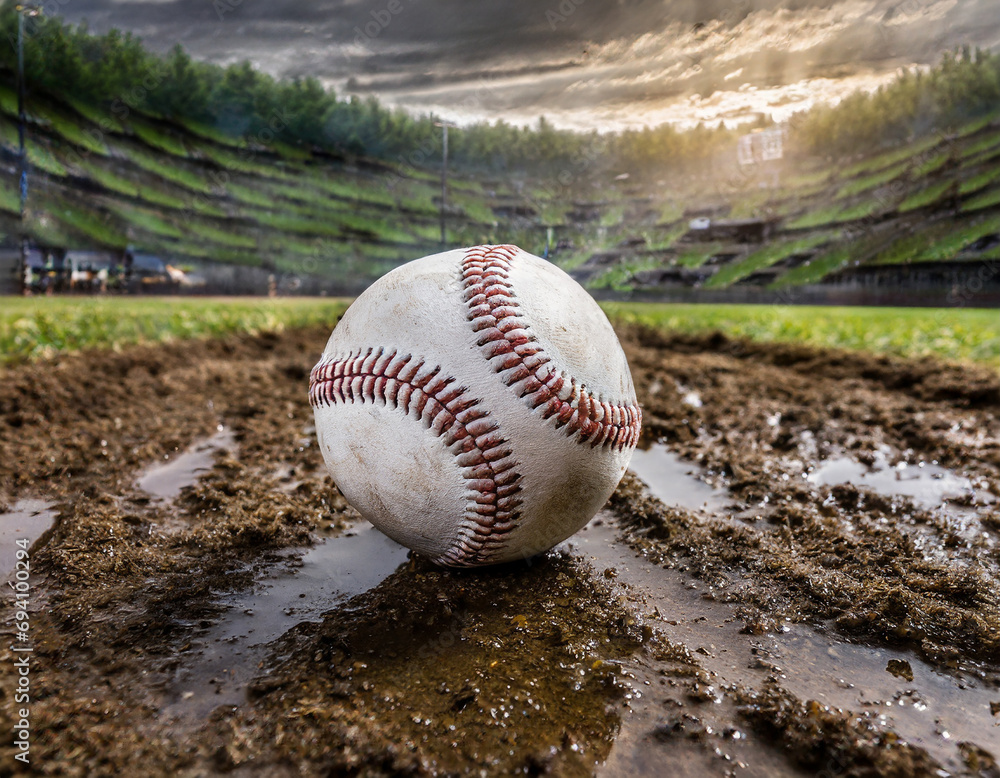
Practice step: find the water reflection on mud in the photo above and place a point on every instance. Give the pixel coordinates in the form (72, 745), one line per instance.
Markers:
(674, 481)
(166, 480)
(224, 658)
(26, 521)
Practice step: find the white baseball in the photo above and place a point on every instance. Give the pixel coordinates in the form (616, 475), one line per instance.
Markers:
(475, 406)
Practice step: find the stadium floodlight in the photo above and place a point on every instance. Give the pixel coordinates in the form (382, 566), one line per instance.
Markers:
(444, 170)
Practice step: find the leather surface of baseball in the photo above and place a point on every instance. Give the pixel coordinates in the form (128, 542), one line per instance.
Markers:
(475, 406)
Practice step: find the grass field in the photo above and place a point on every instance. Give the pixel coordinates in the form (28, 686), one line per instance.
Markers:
(40, 327)
(948, 333)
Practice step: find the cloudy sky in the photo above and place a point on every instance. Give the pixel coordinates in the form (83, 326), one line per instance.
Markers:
(586, 64)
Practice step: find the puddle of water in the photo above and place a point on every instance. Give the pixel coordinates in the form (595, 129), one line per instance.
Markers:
(225, 658)
(695, 741)
(928, 485)
(674, 481)
(809, 665)
(166, 480)
(28, 520)
(934, 711)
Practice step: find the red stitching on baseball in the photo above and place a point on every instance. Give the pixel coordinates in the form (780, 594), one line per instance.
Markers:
(516, 355)
(401, 381)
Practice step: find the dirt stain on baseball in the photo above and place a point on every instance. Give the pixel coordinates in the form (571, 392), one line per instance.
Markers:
(842, 520)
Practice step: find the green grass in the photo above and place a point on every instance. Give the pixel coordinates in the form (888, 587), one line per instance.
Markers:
(474, 208)
(210, 133)
(671, 211)
(158, 197)
(933, 164)
(948, 247)
(347, 188)
(96, 116)
(938, 243)
(241, 161)
(158, 139)
(619, 276)
(251, 195)
(93, 225)
(751, 204)
(289, 150)
(983, 144)
(148, 221)
(572, 258)
(910, 247)
(203, 206)
(90, 139)
(947, 333)
(816, 269)
(382, 227)
(301, 192)
(808, 179)
(295, 224)
(10, 199)
(817, 218)
(975, 125)
(47, 231)
(985, 200)
(980, 181)
(220, 236)
(43, 159)
(38, 155)
(40, 327)
(987, 157)
(906, 152)
(613, 216)
(169, 171)
(765, 257)
(109, 179)
(926, 196)
(696, 257)
(836, 214)
(8, 101)
(661, 238)
(860, 185)
(426, 232)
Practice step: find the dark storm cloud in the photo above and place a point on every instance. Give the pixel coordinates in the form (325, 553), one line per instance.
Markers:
(555, 56)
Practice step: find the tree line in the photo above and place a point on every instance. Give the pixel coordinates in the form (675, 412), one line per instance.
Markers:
(116, 70)
(963, 87)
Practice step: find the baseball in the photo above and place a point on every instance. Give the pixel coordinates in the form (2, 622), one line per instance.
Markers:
(475, 406)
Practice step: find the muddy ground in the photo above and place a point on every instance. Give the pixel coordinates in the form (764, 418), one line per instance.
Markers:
(205, 601)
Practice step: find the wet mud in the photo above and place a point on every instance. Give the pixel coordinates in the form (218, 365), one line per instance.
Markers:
(800, 574)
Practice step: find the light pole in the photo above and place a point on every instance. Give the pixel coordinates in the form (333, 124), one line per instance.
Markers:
(444, 170)
(22, 11)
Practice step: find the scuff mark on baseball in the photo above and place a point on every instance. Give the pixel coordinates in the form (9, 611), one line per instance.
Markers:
(475, 406)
